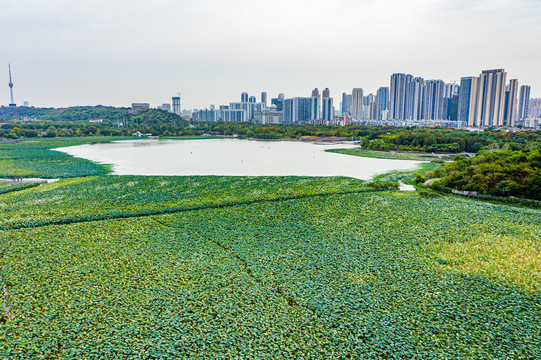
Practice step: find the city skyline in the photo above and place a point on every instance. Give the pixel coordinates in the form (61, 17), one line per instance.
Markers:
(65, 54)
(484, 101)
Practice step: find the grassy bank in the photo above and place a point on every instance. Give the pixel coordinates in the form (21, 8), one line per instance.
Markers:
(35, 158)
(430, 163)
(384, 154)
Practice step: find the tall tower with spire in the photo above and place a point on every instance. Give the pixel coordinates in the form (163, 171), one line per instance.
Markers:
(11, 87)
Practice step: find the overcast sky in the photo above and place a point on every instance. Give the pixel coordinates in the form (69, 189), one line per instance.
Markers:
(115, 52)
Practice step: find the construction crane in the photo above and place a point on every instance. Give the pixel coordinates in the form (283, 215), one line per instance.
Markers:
(176, 106)
(12, 103)
(181, 93)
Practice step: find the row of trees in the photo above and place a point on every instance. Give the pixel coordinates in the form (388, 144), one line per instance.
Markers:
(453, 141)
(15, 132)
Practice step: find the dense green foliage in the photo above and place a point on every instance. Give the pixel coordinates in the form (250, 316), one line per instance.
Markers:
(36, 159)
(92, 198)
(362, 276)
(499, 173)
(452, 141)
(76, 113)
(75, 121)
(277, 131)
(385, 138)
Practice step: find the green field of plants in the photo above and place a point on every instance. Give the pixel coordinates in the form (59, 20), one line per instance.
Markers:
(97, 266)
(379, 275)
(6, 187)
(34, 158)
(103, 197)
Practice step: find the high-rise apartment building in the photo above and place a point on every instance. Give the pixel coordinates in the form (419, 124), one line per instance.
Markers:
(249, 107)
(357, 103)
(369, 104)
(176, 105)
(524, 102)
(315, 112)
(382, 100)
(510, 110)
(467, 99)
(244, 97)
(372, 113)
(374, 109)
(327, 112)
(534, 111)
(279, 103)
(433, 100)
(206, 115)
(252, 99)
(269, 116)
(491, 98)
(328, 108)
(450, 108)
(415, 90)
(346, 104)
(316, 104)
(232, 115)
(300, 110)
(488, 100)
(165, 107)
(450, 90)
(326, 93)
(397, 96)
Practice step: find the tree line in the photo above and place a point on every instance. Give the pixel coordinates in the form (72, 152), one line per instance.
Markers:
(75, 121)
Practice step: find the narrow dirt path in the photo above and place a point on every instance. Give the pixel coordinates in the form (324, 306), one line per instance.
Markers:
(246, 268)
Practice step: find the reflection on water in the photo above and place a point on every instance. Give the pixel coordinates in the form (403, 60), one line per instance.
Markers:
(233, 157)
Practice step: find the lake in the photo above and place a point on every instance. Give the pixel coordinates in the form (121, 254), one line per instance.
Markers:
(233, 157)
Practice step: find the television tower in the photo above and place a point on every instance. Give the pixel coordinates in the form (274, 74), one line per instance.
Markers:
(11, 87)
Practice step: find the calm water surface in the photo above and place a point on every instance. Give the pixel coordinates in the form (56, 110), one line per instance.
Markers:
(233, 157)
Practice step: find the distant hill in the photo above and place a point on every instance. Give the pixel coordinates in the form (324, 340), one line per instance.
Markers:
(76, 113)
(78, 120)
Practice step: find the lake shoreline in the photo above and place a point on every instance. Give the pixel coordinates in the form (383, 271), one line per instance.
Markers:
(233, 157)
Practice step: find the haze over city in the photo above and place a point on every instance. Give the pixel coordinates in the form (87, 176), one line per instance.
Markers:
(115, 53)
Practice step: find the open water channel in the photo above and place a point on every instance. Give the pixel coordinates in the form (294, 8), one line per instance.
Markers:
(233, 157)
